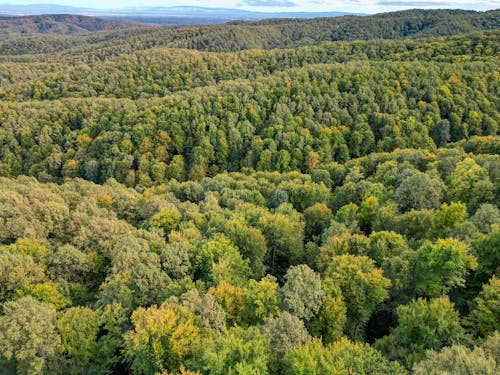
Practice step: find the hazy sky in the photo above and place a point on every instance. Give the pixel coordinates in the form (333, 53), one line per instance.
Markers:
(366, 6)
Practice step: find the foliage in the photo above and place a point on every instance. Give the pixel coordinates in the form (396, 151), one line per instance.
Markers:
(236, 198)
(238, 351)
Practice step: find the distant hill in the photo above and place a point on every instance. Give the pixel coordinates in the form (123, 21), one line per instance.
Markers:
(175, 15)
(63, 24)
(235, 35)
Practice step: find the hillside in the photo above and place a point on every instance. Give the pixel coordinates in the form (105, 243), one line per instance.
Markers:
(283, 197)
(62, 24)
(268, 34)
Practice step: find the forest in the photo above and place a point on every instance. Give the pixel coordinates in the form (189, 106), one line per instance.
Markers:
(276, 197)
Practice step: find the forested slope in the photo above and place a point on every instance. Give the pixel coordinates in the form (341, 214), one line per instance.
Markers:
(308, 206)
(64, 24)
(272, 34)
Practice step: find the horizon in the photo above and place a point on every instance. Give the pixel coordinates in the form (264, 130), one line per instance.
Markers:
(273, 6)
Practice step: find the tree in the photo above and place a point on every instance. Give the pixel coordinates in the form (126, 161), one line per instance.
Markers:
(69, 264)
(419, 191)
(457, 360)
(367, 213)
(361, 358)
(162, 338)
(166, 220)
(464, 179)
(262, 299)
(441, 133)
(218, 259)
(487, 250)
(17, 271)
(345, 243)
(341, 357)
(284, 236)
(233, 300)
(28, 335)
(485, 316)
(302, 294)
(47, 292)
(250, 242)
(442, 266)
(285, 333)
(212, 315)
(363, 288)
(422, 325)
(330, 321)
(317, 218)
(91, 338)
(449, 217)
(239, 351)
(312, 358)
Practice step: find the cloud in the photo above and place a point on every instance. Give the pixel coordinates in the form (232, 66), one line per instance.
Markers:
(435, 3)
(413, 3)
(269, 3)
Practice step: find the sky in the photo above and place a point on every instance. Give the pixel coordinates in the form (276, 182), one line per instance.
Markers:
(360, 6)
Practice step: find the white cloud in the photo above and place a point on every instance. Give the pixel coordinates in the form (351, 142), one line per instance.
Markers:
(364, 6)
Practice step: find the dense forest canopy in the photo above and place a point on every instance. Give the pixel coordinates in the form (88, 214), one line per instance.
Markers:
(281, 197)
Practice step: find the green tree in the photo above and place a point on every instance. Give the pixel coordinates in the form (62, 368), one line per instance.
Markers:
(341, 357)
(90, 339)
(330, 321)
(28, 335)
(239, 351)
(317, 218)
(262, 299)
(284, 236)
(442, 266)
(285, 333)
(485, 315)
(162, 338)
(419, 191)
(457, 360)
(166, 220)
(250, 242)
(363, 288)
(464, 180)
(218, 259)
(422, 325)
(367, 213)
(302, 294)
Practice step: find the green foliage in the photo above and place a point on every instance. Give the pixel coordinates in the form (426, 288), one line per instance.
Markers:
(262, 299)
(28, 335)
(422, 325)
(271, 186)
(250, 242)
(284, 236)
(363, 288)
(341, 357)
(239, 351)
(317, 218)
(285, 333)
(302, 294)
(90, 339)
(442, 266)
(485, 315)
(465, 182)
(218, 259)
(162, 338)
(166, 220)
(330, 321)
(419, 191)
(458, 360)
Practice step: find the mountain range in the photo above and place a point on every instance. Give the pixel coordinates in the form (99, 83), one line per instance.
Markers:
(160, 15)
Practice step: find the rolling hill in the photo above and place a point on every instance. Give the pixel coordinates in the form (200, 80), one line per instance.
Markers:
(64, 24)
